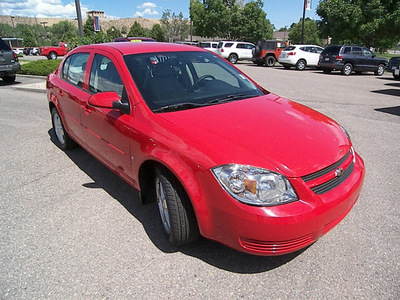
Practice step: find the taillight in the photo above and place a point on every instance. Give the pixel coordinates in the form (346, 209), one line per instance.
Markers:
(222, 49)
(15, 56)
(291, 53)
(338, 57)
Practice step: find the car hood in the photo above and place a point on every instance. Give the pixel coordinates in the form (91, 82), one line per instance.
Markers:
(268, 131)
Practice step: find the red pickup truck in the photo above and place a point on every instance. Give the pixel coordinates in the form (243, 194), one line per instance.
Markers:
(52, 52)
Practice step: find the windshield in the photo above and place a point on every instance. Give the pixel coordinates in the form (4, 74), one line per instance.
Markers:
(182, 80)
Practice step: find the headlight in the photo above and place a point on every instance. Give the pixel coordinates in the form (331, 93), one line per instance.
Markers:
(255, 186)
(345, 132)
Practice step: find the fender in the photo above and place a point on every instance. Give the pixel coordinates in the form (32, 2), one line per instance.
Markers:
(188, 177)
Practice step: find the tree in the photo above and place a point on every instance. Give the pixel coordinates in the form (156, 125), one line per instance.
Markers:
(373, 23)
(176, 27)
(254, 24)
(230, 19)
(311, 32)
(157, 33)
(113, 33)
(60, 29)
(137, 30)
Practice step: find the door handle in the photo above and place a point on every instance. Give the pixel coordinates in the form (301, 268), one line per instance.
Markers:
(60, 93)
(87, 109)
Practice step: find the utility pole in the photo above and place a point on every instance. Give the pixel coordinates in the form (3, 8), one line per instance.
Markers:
(302, 22)
(79, 17)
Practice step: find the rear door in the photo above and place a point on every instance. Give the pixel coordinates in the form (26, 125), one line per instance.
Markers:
(71, 93)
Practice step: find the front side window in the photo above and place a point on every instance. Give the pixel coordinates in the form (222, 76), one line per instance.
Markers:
(367, 53)
(183, 80)
(74, 68)
(104, 77)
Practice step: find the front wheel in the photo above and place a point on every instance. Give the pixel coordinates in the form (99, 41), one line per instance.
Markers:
(380, 70)
(233, 58)
(176, 212)
(63, 139)
(270, 61)
(347, 69)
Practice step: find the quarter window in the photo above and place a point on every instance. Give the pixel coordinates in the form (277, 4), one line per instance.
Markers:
(74, 68)
(104, 77)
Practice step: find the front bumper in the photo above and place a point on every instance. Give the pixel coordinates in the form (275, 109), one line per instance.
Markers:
(280, 229)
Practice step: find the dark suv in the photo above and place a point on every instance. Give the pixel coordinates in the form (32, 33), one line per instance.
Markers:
(351, 58)
(9, 64)
(394, 63)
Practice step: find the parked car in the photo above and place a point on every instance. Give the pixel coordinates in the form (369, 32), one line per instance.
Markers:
(52, 52)
(210, 46)
(393, 64)
(220, 155)
(235, 51)
(9, 64)
(267, 52)
(347, 59)
(300, 56)
(134, 39)
(18, 51)
(396, 72)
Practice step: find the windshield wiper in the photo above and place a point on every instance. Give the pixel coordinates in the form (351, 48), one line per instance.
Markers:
(177, 106)
(228, 98)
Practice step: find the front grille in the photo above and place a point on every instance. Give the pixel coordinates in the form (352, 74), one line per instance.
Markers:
(330, 175)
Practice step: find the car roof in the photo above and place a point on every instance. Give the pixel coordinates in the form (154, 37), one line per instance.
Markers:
(135, 48)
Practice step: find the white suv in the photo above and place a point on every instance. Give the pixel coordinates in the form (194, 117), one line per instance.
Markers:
(234, 51)
(300, 56)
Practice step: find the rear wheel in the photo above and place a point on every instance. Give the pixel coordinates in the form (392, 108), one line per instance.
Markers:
(176, 212)
(9, 79)
(301, 65)
(233, 58)
(270, 61)
(52, 55)
(63, 139)
(380, 70)
(347, 69)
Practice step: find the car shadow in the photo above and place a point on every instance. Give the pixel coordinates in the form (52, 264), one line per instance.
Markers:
(395, 110)
(390, 91)
(3, 83)
(211, 252)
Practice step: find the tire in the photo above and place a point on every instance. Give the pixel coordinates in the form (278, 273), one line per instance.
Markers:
(380, 70)
(63, 139)
(327, 71)
(270, 61)
(9, 79)
(396, 76)
(347, 69)
(175, 209)
(301, 65)
(52, 55)
(233, 58)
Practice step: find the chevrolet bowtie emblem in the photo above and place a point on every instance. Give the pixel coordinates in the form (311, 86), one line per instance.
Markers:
(338, 172)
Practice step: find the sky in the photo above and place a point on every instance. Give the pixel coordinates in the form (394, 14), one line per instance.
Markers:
(280, 12)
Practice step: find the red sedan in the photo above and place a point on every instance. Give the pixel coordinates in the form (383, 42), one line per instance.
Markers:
(222, 157)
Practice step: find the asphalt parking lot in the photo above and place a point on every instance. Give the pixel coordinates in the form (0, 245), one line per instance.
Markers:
(71, 229)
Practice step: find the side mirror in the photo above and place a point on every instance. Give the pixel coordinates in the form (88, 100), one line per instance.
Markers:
(109, 100)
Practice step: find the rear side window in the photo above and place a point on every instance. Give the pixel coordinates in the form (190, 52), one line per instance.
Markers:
(356, 50)
(4, 46)
(289, 48)
(332, 49)
(228, 45)
(241, 46)
(74, 68)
